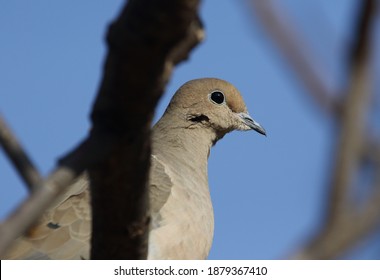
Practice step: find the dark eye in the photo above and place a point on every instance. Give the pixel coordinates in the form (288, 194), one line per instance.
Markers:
(217, 97)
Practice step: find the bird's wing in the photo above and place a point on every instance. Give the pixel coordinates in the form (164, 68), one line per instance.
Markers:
(160, 184)
(63, 232)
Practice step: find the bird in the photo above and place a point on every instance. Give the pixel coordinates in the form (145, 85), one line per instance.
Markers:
(199, 114)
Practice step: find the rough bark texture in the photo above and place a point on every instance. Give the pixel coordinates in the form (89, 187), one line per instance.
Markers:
(137, 68)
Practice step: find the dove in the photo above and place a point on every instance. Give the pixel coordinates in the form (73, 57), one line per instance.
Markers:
(199, 114)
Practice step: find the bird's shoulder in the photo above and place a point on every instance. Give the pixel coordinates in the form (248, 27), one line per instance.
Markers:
(160, 183)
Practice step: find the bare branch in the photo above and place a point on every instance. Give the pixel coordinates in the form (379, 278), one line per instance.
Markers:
(352, 136)
(344, 225)
(344, 233)
(33, 207)
(145, 41)
(289, 44)
(19, 158)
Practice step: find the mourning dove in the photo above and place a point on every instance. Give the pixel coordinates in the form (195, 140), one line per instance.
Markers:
(200, 113)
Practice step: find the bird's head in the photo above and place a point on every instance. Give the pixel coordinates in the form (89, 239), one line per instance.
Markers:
(214, 104)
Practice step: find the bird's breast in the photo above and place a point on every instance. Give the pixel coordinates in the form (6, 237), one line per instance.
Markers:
(184, 226)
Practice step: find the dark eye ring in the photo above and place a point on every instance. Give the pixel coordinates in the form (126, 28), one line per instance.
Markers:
(217, 97)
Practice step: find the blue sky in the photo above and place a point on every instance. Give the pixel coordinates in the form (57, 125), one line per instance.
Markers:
(269, 193)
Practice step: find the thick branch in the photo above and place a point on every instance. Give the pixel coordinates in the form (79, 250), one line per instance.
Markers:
(19, 158)
(146, 40)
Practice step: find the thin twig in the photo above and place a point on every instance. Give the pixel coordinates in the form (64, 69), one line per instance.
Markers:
(58, 181)
(289, 44)
(18, 157)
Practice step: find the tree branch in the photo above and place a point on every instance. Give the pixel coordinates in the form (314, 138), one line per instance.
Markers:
(18, 157)
(288, 43)
(146, 40)
(353, 135)
(344, 224)
(57, 182)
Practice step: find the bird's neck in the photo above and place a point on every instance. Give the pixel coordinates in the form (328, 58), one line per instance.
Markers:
(177, 138)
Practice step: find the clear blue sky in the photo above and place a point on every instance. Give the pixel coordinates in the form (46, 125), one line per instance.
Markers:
(268, 192)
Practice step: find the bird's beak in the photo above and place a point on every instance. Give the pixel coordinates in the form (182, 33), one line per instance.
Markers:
(252, 124)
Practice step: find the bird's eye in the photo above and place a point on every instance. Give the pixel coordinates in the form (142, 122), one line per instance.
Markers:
(217, 97)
